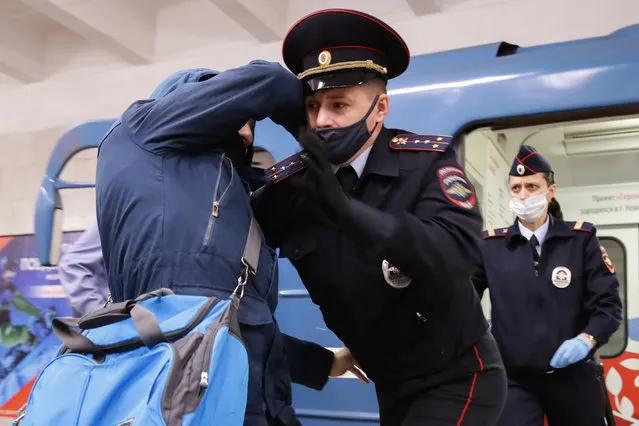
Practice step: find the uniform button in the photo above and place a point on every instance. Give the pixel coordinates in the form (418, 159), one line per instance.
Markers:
(536, 273)
(296, 252)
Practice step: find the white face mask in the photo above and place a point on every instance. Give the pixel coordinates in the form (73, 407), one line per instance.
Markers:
(529, 209)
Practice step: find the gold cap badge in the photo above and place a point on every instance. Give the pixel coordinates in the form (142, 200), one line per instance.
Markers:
(324, 58)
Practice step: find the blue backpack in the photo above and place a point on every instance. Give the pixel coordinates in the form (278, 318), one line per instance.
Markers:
(159, 359)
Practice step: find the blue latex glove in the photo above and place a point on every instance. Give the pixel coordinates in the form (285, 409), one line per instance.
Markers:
(570, 351)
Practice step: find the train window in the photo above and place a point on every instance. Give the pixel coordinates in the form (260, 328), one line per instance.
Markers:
(79, 204)
(617, 254)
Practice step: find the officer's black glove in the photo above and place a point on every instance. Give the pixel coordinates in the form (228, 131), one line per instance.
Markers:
(321, 176)
(349, 214)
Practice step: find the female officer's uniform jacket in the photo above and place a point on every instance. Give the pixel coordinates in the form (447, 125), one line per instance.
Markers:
(573, 289)
(172, 212)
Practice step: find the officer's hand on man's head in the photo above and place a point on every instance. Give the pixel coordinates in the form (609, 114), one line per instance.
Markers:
(320, 173)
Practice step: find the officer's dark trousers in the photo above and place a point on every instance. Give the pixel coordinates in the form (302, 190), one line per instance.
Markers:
(569, 396)
(476, 399)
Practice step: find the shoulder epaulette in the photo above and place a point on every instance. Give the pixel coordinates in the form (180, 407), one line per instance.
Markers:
(494, 233)
(580, 226)
(411, 142)
(285, 168)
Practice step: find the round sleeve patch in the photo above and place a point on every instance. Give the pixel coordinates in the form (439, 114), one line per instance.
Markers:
(606, 259)
(455, 185)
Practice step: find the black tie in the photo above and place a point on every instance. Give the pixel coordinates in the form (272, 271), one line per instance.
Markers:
(347, 177)
(534, 242)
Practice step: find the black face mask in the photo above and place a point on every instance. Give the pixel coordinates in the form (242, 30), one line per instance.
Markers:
(341, 143)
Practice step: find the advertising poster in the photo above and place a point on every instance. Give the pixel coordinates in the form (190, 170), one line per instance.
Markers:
(616, 204)
(30, 297)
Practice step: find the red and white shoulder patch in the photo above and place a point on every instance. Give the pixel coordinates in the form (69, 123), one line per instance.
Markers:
(456, 187)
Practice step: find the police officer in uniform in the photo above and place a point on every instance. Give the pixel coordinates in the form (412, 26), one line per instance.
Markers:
(383, 227)
(555, 300)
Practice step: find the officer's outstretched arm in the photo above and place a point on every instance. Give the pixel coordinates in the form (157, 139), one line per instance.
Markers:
(602, 300)
(212, 111)
(309, 363)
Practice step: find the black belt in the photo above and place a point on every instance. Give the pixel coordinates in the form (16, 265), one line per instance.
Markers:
(523, 371)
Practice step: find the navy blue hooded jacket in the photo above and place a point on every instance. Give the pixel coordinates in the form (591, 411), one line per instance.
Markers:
(173, 212)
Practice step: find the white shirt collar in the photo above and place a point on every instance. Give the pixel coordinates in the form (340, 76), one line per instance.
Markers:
(540, 232)
(359, 162)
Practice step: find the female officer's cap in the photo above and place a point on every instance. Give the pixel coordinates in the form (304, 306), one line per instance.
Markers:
(342, 48)
(529, 162)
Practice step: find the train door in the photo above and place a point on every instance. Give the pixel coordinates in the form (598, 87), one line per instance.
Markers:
(621, 354)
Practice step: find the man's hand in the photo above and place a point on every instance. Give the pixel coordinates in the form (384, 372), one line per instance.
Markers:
(320, 174)
(344, 362)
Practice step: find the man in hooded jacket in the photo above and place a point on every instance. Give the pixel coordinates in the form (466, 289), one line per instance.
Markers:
(169, 207)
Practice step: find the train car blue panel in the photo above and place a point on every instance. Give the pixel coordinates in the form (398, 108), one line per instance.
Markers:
(449, 97)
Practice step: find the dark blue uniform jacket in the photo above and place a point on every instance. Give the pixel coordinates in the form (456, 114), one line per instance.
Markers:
(534, 312)
(415, 209)
(173, 212)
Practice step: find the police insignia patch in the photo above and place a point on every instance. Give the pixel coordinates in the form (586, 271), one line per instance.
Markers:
(561, 277)
(606, 259)
(456, 187)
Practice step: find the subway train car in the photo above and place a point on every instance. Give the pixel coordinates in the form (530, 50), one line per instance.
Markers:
(577, 102)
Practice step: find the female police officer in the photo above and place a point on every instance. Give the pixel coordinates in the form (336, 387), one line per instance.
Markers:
(555, 300)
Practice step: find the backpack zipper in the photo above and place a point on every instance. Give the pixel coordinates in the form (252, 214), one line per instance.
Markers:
(206, 360)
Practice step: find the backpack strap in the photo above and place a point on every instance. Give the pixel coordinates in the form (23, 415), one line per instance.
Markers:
(73, 340)
(250, 257)
(143, 319)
